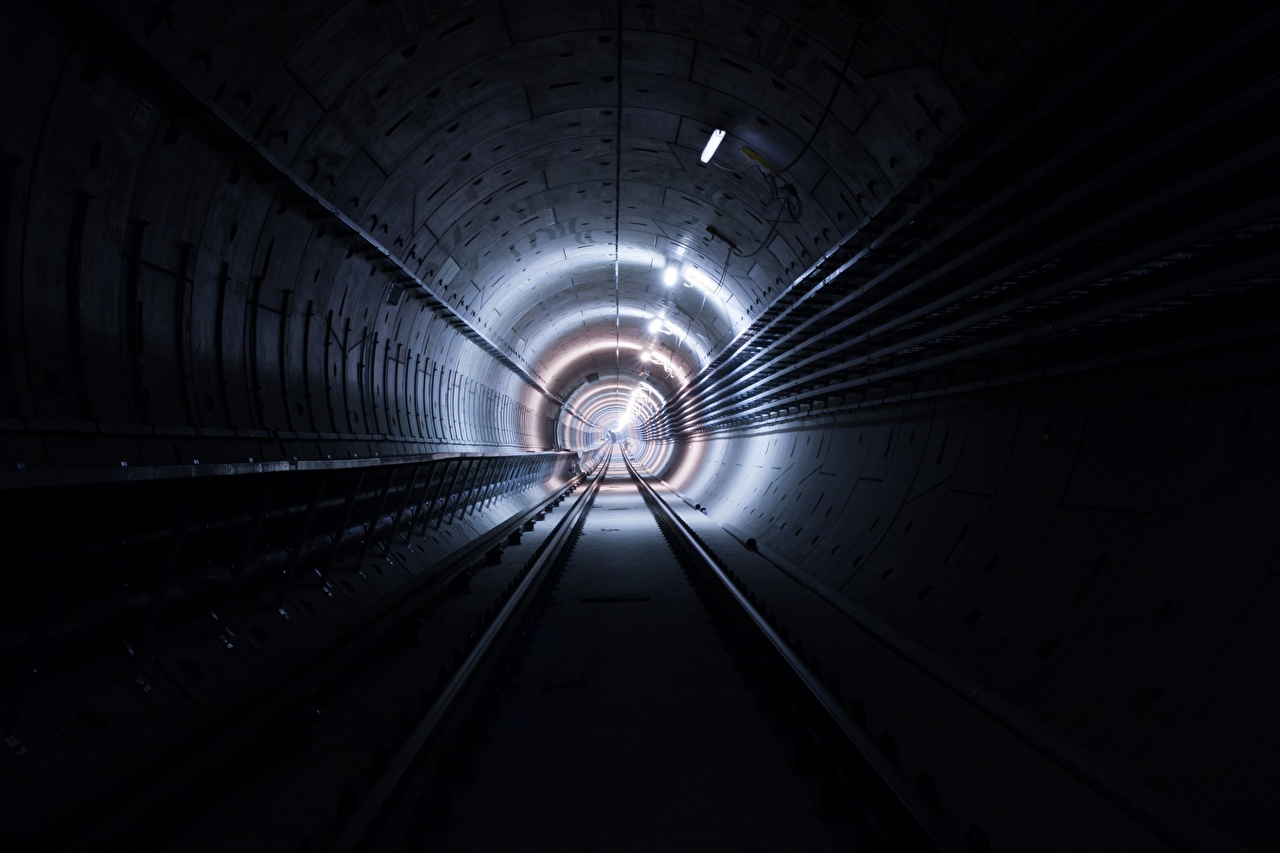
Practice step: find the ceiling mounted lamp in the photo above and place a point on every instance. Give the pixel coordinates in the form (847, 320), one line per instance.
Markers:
(713, 143)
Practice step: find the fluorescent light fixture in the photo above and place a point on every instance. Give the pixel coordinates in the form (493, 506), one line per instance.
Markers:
(669, 276)
(712, 144)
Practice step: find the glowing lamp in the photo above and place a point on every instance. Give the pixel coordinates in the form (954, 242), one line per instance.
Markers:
(713, 143)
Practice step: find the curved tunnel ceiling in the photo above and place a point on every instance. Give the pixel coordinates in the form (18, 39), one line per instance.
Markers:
(971, 320)
(537, 164)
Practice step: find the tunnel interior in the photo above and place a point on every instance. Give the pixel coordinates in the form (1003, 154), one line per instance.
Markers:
(968, 321)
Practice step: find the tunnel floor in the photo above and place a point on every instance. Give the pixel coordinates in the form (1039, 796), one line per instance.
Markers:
(629, 727)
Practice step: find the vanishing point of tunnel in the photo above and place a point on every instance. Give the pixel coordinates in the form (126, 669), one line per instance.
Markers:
(950, 325)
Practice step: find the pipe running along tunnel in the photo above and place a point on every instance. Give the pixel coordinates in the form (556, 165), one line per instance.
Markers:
(968, 326)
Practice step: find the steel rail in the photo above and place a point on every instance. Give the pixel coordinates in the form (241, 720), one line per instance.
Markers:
(160, 783)
(1167, 821)
(927, 829)
(357, 831)
(1178, 828)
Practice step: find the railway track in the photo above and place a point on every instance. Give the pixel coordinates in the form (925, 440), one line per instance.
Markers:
(621, 689)
(610, 684)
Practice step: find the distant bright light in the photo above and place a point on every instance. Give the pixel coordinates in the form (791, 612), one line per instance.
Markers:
(712, 144)
(655, 326)
(646, 356)
(669, 276)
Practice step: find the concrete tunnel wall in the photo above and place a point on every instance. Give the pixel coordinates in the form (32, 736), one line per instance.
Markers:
(1099, 549)
(156, 286)
(159, 276)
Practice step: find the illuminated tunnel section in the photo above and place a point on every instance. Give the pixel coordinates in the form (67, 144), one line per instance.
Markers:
(607, 412)
(967, 318)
